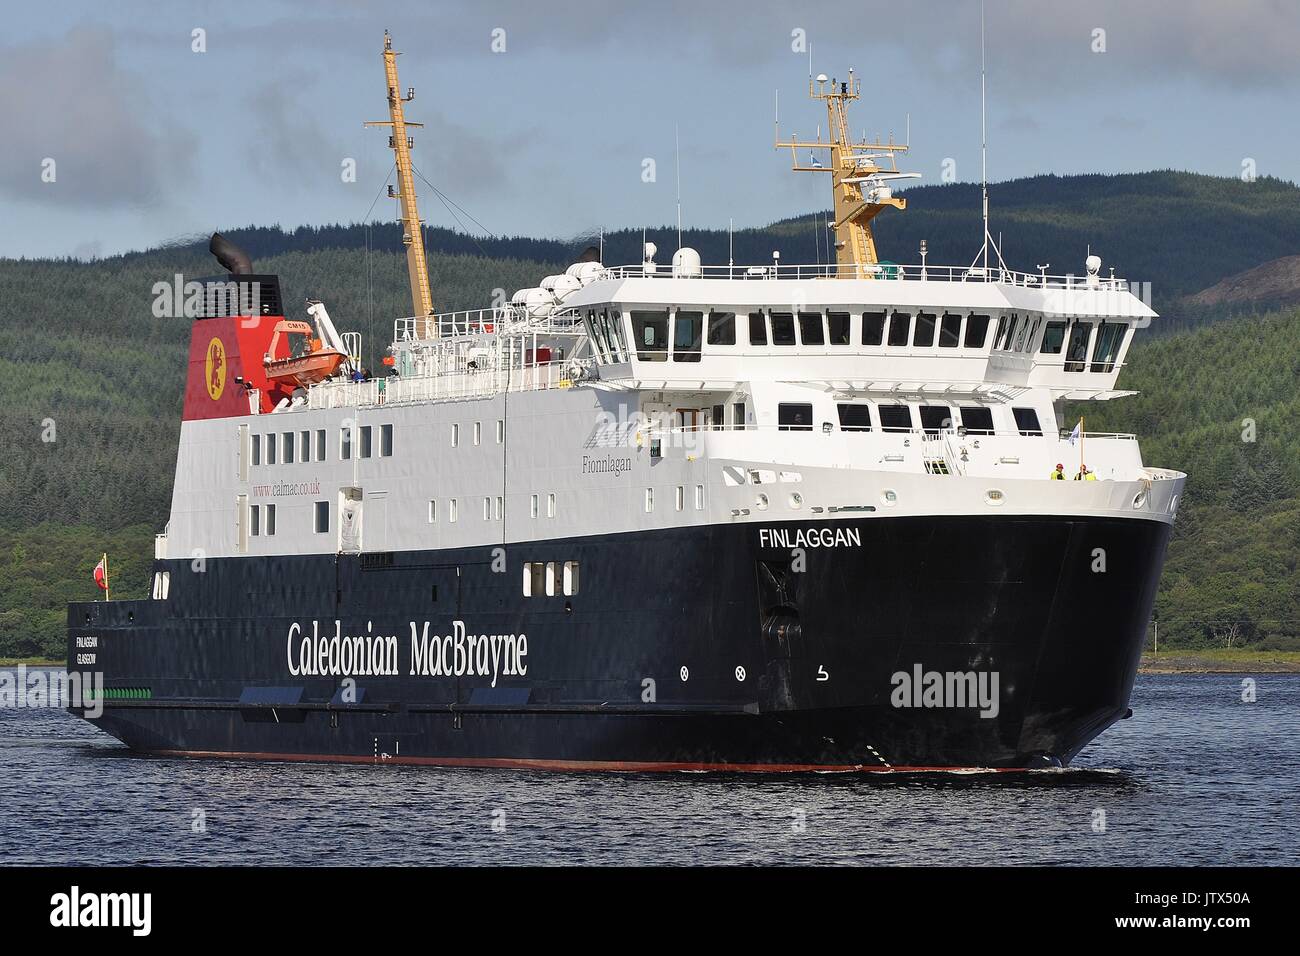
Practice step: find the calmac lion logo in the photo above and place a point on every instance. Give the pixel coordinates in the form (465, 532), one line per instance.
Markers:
(216, 368)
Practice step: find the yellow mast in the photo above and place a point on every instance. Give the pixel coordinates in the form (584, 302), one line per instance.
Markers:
(851, 165)
(416, 265)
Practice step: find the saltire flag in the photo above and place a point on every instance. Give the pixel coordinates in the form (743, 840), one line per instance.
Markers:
(101, 573)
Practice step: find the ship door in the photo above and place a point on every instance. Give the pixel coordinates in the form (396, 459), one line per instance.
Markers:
(688, 418)
(350, 520)
(377, 521)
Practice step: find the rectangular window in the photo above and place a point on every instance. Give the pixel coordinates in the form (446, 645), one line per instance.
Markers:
(257, 449)
(270, 519)
(533, 506)
(1077, 351)
(570, 577)
(757, 328)
(716, 414)
(550, 505)
(487, 509)
(794, 417)
(999, 340)
(650, 332)
(270, 449)
(385, 441)
(501, 431)
(699, 497)
(649, 500)
(895, 418)
(1104, 352)
(1032, 334)
(534, 578)
(320, 444)
(433, 510)
(288, 447)
(900, 324)
(977, 420)
(855, 418)
(255, 526)
(345, 443)
(838, 324)
(550, 579)
(977, 330)
(949, 331)
(364, 449)
(738, 415)
(811, 331)
(455, 436)
(873, 328)
(1027, 421)
(322, 517)
(722, 328)
(935, 418)
(924, 335)
(681, 497)
(453, 510)
(687, 327)
(1018, 340)
(1053, 338)
(498, 508)
(478, 433)
(783, 328)
(304, 445)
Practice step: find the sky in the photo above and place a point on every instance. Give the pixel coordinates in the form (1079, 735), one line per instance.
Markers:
(125, 128)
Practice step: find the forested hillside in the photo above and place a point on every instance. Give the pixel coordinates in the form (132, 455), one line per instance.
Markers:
(90, 382)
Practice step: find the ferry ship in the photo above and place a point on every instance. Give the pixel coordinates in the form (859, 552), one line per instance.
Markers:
(663, 516)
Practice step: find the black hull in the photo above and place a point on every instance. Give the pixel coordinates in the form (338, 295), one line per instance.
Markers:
(209, 671)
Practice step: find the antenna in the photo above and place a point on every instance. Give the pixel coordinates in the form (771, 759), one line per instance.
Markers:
(984, 168)
(677, 140)
(731, 250)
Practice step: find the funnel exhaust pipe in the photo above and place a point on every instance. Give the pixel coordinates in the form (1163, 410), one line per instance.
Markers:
(234, 259)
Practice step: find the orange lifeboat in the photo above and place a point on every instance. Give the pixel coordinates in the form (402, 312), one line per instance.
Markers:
(307, 361)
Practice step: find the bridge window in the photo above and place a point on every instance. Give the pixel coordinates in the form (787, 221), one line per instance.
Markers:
(686, 336)
(977, 330)
(1109, 336)
(794, 417)
(873, 328)
(596, 332)
(895, 418)
(977, 420)
(811, 331)
(924, 336)
(783, 328)
(838, 323)
(855, 418)
(936, 417)
(757, 328)
(722, 328)
(650, 330)
(1019, 338)
(900, 324)
(949, 331)
(1027, 421)
(614, 332)
(1033, 333)
(1053, 338)
(999, 340)
(1076, 354)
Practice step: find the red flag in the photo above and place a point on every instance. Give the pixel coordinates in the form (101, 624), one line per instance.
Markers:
(101, 573)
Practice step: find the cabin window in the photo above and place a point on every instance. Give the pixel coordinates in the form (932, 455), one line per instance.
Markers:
(501, 431)
(838, 325)
(900, 325)
(977, 330)
(895, 418)
(722, 328)
(304, 445)
(455, 436)
(650, 330)
(687, 327)
(255, 525)
(487, 509)
(385, 441)
(433, 510)
(977, 420)
(757, 328)
(699, 497)
(649, 500)
(1077, 351)
(1104, 352)
(1027, 421)
(320, 444)
(783, 328)
(534, 578)
(810, 328)
(794, 417)
(532, 506)
(257, 449)
(718, 413)
(570, 578)
(322, 517)
(924, 335)
(936, 417)
(855, 418)
(270, 449)
(345, 443)
(550, 579)
(288, 447)
(950, 331)
(1053, 338)
(478, 433)
(453, 510)
(550, 505)
(680, 498)
(999, 341)
(498, 508)
(738, 415)
(270, 519)
(873, 328)
(365, 448)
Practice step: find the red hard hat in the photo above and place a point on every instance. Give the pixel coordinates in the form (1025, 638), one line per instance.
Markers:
(1059, 466)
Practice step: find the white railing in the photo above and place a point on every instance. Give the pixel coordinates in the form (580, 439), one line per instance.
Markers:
(437, 388)
(506, 319)
(886, 271)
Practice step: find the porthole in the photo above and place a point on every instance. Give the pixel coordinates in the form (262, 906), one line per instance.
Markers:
(796, 500)
(1140, 498)
(889, 496)
(994, 497)
(1173, 505)
(761, 502)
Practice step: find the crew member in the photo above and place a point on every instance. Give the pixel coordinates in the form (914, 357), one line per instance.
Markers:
(1084, 474)
(1059, 474)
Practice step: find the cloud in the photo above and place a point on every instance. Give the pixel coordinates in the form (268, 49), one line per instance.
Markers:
(69, 100)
